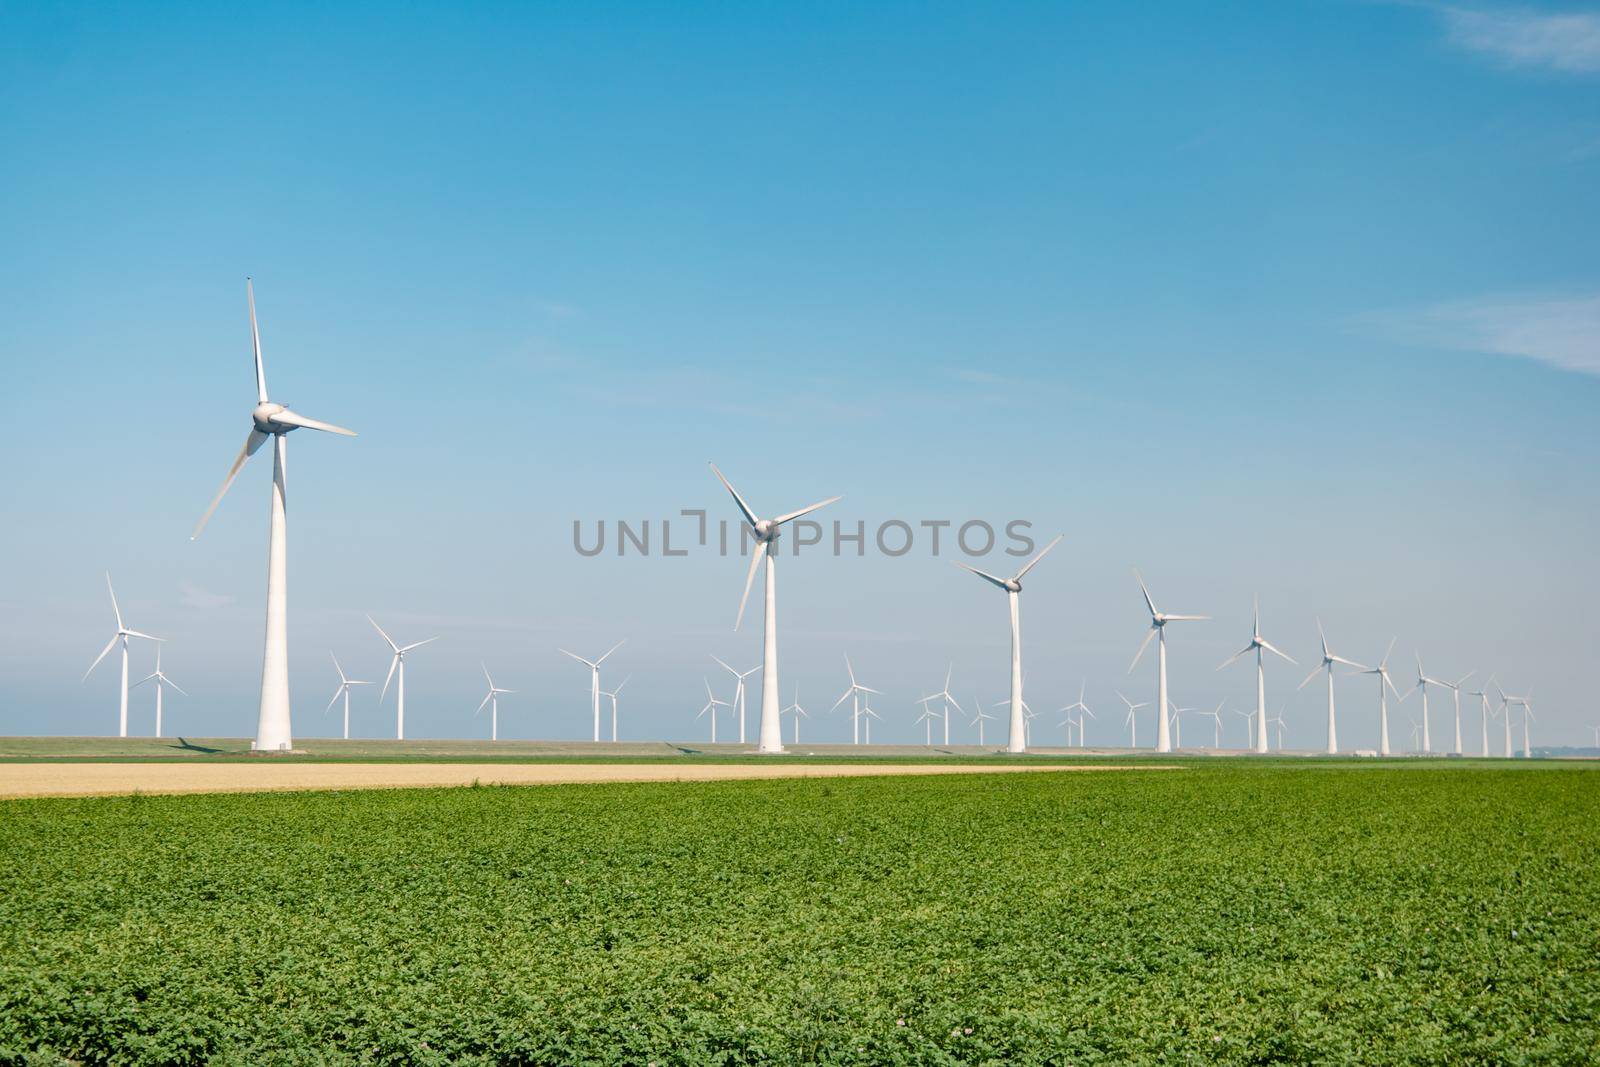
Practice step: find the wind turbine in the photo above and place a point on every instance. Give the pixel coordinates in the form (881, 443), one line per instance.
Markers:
(594, 680)
(1249, 726)
(868, 715)
(613, 696)
(1018, 741)
(1081, 707)
(1132, 721)
(1158, 630)
(122, 635)
(1423, 681)
(711, 706)
(1505, 712)
(949, 702)
(926, 719)
(1455, 689)
(1258, 644)
(343, 691)
(796, 712)
(853, 694)
(1525, 703)
(268, 419)
(1483, 709)
(1416, 730)
(160, 680)
(492, 699)
(738, 691)
(1277, 720)
(766, 533)
(1327, 664)
(398, 662)
(980, 718)
(1382, 671)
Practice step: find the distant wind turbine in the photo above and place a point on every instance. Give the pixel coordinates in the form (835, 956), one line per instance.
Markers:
(1018, 741)
(122, 635)
(1483, 710)
(947, 700)
(926, 721)
(268, 419)
(979, 719)
(1258, 644)
(1132, 720)
(1249, 718)
(1328, 662)
(1158, 630)
(853, 694)
(738, 691)
(397, 662)
(343, 691)
(766, 533)
(710, 708)
(1216, 717)
(594, 680)
(612, 696)
(1382, 671)
(796, 712)
(492, 699)
(1455, 689)
(1082, 708)
(867, 715)
(161, 680)
(1423, 681)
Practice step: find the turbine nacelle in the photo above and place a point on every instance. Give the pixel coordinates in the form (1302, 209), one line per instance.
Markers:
(263, 414)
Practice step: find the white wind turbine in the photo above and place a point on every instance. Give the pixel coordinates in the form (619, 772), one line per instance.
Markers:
(122, 635)
(738, 691)
(980, 718)
(343, 691)
(1508, 702)
(926, 720)
(1132, 720)
(594, 680)
(1017, 741)
(492, 699)
(397, 662)
(1423, 681)
(161, 680)
(853, 694)
(1216, 717)
(710, 708)
(1483, 709)
(1384, 687)
(1505, 714)
(867, 715)
(613, 697)
(1258, 644)
(1249, 725)
(948, 702)
(1455, 689)
(1277, 720)
(796, 712)
(1080, 707)
(1327, 664)
(766, 533)
(268, 419)
(1158, 630)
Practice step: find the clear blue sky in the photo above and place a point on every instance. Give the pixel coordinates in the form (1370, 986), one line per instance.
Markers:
(1300, 299)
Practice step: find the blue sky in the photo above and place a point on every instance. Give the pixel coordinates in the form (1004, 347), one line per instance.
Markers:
(1299, 300)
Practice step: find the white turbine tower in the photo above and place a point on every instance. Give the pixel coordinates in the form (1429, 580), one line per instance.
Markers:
(853, 694)
(594, 680)
(613, 697)
(1017, 741)
(766, 533)
(273, 731)
(343, 691)
(1505, 714)
(710, 708)
(122, 635)
(1483, 710)
(738, 691)
(492, 699)
(867, 715)
(1455, 689)
(1327, 664)
(1423, 681)
(161, 680)
(1082, 709)
(1132, 720)
(796, 712)
(1249, 718)
(1216, 717)
(1382, 671)
(397, 662)
(926, 720)
(980, 718)
(948, 702)
(1158, 630)
(1258, 644)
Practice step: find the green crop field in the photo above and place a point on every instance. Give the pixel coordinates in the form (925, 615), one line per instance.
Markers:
(1228, 912)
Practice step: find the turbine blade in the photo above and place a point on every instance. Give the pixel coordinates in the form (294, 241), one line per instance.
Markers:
(174, 685)
(337, 693)
(289, 418)
(103, 653)
(985, 575)
(781, 519)
(577, 657)
(1137, 656)
(750, 579)
(255, 342)
(115, 610)
(393, 663)
(749, 516)
(147, 637)
(141, 681)
(487, 697)
(342, 678)
(385, 636)
(251, 444)
(419, 644)
(610, 650)
(1184, 618)
(1314, 672)
(1030, 564)
(1236, 657)
(1279, 652)
(1151, 604)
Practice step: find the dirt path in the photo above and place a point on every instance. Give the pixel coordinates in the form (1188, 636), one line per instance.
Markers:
(100, 779)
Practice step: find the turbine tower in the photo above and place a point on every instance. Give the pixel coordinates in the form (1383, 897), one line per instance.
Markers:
(1158, 630)
(1423, 681)
(398, 662)
(1455, 689)
(738, 691)
(1131, 721)
(1017, 741)
(122, 635)
(160, 680)
(1382, 671)
(613, 696)
(766, 533)
(343, 691)
(492, 698)
(273, 732)
(1483, 710)
(1258, 644)
(1328, 662)
(594, 680)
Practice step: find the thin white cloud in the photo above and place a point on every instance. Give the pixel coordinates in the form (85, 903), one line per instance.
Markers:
(1560, 331)
(1519, 37)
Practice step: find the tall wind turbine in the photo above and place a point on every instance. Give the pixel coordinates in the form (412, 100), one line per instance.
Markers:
(594, 680)
(1327, 664)
(1258, 644)
(1483, 710)
(796, 712)
(853, 694)
(1423, 681)
(980, 718)
(1249, 718)
(1080, 707)
(343, 691)
(398, 662)
(1158, 630)
(1018, 741)
(1132, 722)
(1507, 702)
(1382, 671)
(766, 533)
(948, 702)
(122, 635)
(273, 732)
(738, 691)
(926, 720)
(492, 698)
(1455, 689)
(613, 697)
(161, 680)
(1216, 717)
(1505, 714)
(710, 708)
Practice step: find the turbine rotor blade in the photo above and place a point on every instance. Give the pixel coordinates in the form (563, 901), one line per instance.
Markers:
(1236, 656)
(419, 644)
(1137, 656)
(103, 653)
(781, 519)
(393, 663)
(385, 636)
(756, 557)
(985, 575)
(1030, 564)
(289, 418)
(1278, 652)
(1314, 672)
(749, 516)
(255, 342)
(252, 444)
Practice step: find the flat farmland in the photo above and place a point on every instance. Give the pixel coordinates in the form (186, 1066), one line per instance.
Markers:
(1236, 912)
